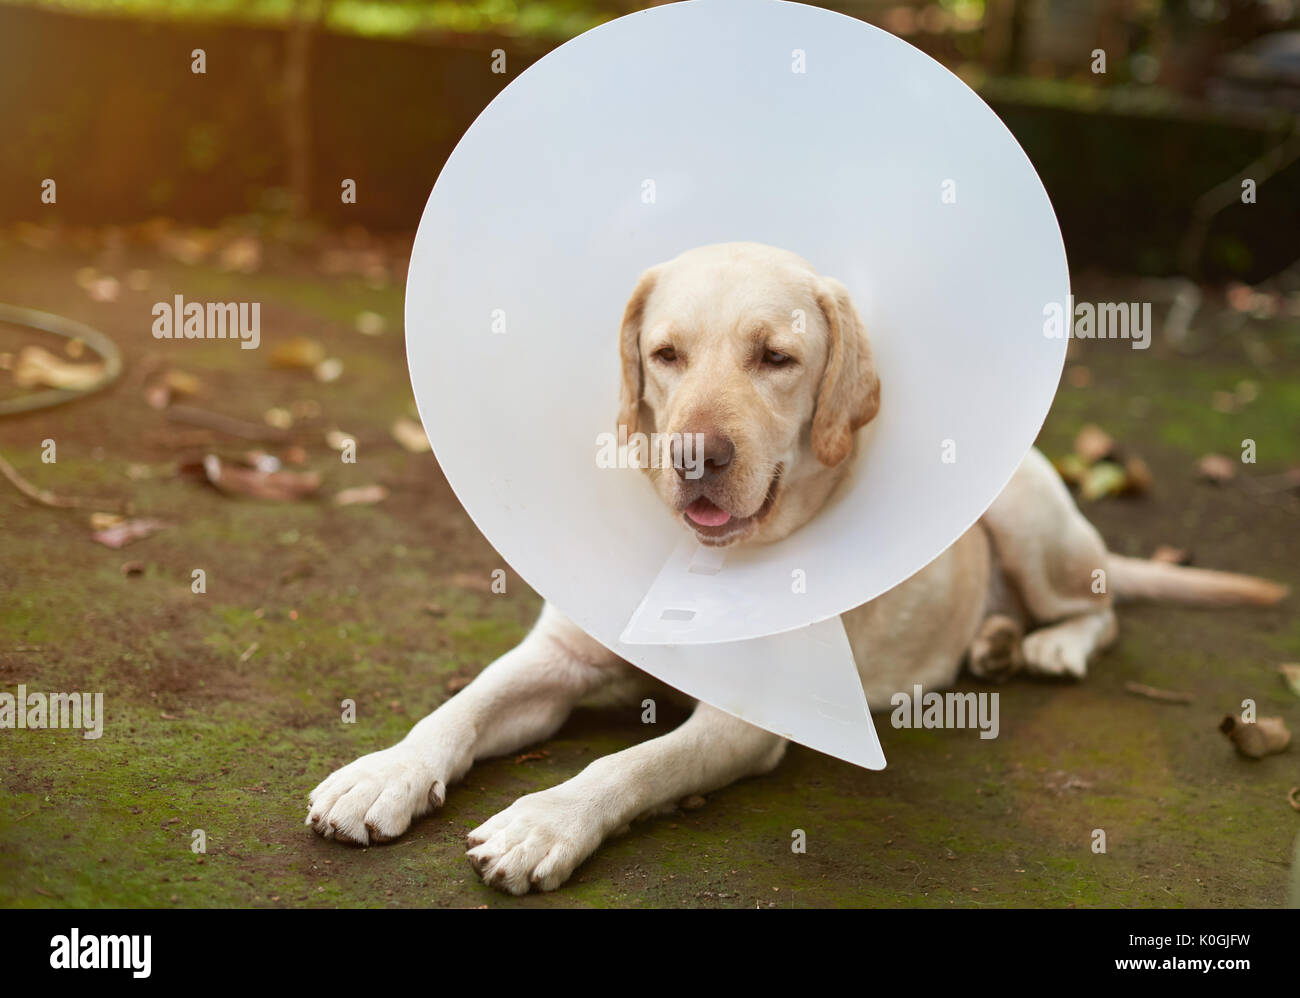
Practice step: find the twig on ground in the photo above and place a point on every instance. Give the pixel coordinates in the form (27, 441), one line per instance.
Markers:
(193, 416)
(1151, 693)
(48, 498)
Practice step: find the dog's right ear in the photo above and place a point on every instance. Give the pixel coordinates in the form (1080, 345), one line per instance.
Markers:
(629, 350)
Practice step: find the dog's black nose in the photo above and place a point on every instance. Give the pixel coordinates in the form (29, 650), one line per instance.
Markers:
(701, 455)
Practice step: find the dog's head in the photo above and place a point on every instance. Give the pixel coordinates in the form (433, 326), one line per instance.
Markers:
(758, 372)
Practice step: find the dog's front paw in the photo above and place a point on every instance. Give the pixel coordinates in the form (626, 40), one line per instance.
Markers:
(538, 841)
(375, 798)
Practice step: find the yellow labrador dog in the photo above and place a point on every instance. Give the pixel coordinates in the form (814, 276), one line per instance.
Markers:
(706, 348)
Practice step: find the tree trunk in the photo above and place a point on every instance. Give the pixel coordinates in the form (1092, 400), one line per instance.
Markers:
(307, 15)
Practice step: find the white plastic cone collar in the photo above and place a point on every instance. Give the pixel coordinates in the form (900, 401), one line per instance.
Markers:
(720, 121)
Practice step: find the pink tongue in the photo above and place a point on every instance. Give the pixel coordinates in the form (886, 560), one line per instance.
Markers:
(706, 514)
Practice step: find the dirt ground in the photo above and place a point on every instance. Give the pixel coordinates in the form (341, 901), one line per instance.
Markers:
(223, 708)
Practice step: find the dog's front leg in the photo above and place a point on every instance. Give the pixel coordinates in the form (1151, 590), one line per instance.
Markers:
(521, 698)
(542, 838)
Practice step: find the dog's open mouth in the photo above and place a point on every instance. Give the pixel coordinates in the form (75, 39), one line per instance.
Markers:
(714, 526)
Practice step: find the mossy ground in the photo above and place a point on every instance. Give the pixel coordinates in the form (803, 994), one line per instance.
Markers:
(223, 709)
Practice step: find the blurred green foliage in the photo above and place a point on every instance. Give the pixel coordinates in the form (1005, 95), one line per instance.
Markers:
(373, 18)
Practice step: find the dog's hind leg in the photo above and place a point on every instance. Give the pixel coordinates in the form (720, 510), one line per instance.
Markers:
(521, 698)
(1055, 562)
(1064, 649)
(1050, 554)
(541, 839)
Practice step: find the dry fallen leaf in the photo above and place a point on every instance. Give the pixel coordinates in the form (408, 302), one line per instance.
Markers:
(1137, 476)
(1071, 468)
(103, 521)
(36, 367)
(260, 460)
(330, 369)
(104, 289)
(279, 418)
(410, 435)
(274, 485)
(469, 580)
(362, 495)
(1171, 555)
(189, 247)
(1103, 479)
(370, 324)
(182, 382)
(339, 439)
(243, 253)
(1290, 672)
(299, 352)
(124, 533)
(156, 395)
(169, 385)
(1240, 296)
(1266, 736)
(1093, 443)
(1216, 468)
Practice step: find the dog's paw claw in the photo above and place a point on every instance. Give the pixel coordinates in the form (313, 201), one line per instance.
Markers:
(375, 798)
(536, 843)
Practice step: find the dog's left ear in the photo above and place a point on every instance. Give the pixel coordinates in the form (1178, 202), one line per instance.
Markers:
(629, 350)
(850, 390)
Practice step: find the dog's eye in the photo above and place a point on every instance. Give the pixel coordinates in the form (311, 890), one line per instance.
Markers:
(666, 354)
(775, 358)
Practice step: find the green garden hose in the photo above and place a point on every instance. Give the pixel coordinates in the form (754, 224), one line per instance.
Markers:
(72, 330)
